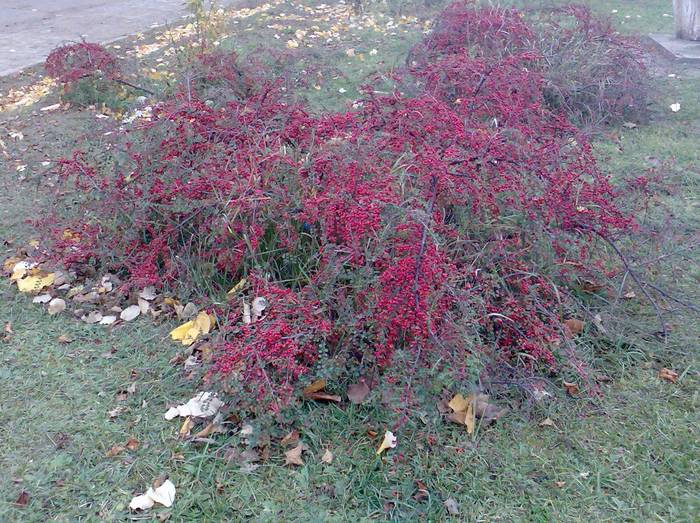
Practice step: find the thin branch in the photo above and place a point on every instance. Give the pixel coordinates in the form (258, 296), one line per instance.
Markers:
(637, 280)
(133, 86)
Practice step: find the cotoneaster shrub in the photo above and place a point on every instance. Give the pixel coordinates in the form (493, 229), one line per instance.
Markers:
(88, 73)
(72, 62)
(590, 72)
(445, 224)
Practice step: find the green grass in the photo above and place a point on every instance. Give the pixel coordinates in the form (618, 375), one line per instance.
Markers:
(631, 455)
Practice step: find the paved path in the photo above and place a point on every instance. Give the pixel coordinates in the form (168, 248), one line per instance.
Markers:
(29, 29)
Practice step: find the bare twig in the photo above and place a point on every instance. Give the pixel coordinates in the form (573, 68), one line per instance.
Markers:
(637, 280)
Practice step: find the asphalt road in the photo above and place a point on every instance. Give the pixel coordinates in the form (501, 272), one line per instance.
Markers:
(30, 29)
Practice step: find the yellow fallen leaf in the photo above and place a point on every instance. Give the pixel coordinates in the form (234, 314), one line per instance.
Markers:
(389, 442)
(189, 331)
(458, 403)
(469, 418)
(237, 287)
(203, 322)
(36, 282)
(314, 387)
(191, 335)
(463, 411)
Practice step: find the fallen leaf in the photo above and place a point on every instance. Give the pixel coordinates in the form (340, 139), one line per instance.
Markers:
(186, 427)
(42, 298)
(547, 422)
(668, 375)
(293, 456)
(559, 484)
(189, 331)
(8, 328)
(56, 306)
(92, 317)
(357, 392)
(573, 326)
(114, 451)
(290, 439)
(422, 491)
(64, 339)
(327, 456)
(132, 444)
(130, 313)
(452, 506)
(142, 502)
(203, 405)
(323, 396)
(571, 388)
(459, 403)
(389, 442)
(315, 387)
(237, 287)
(463, 411)
(189, 311)
(246, 313)
(148, 293)
(23, 499)
(209, 429)
(36, 282)
(258, 307)
(143, 305)
(163, 494)
(116, 412)
(107, 320)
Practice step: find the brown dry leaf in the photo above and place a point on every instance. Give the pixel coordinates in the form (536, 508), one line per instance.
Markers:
(547, 422)
(357, 392)
(591, 286)
(571, 388)
(116, 412)
(487, 412)
(132, 444)
(115, 451)
(327, 456)
(208, 430)
(130, 313)
(559, 484)
(573, 326)
(452, 506)
(323, 396)
(668, 375)
(290, 439)
(23, 499)
(8, 328)
(421, 491)
(56, 306)
(293, 456)
(64, 339)
(315, 387)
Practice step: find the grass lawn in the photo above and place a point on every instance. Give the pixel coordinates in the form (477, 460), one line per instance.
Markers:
(631, 455)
